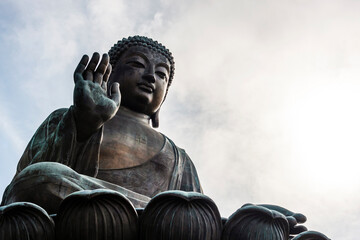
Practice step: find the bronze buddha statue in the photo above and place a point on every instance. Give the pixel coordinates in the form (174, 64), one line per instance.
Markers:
(105, 139)
(104, 143)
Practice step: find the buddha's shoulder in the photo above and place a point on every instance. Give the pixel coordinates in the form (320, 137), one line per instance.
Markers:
(176, 147)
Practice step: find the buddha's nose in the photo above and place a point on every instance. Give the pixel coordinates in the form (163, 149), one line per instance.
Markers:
(150, 74)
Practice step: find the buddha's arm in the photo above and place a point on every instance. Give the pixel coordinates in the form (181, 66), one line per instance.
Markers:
(72, 137)
(56, 141)
(190, 179)
(184, 175)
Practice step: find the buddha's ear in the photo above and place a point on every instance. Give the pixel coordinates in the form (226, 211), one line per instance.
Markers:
(155, 119)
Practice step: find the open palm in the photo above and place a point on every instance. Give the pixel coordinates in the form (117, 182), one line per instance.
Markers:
(93, 107)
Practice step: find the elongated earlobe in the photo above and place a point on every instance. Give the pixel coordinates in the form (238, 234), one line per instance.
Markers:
(155, 119)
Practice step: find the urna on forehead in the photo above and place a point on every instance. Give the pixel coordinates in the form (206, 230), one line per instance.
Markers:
(122, 45)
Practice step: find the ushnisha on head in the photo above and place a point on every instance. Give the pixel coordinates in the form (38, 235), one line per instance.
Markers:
(134, 74)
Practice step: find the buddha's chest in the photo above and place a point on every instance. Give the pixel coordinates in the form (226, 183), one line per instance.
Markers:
(127, 144)
(149, 178)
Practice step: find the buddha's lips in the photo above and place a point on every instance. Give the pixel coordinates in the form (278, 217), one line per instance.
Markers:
(146, 87)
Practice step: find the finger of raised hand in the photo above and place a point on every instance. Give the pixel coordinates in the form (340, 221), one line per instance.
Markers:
(107, 73)
(78, 73)
(101, 69)
(104, 86)
(115, 94)
(89, 71)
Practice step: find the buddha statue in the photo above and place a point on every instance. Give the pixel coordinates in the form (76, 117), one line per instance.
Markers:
(90, 166)
(105, 140)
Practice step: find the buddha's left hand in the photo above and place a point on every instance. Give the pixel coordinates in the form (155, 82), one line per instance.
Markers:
(293, 218)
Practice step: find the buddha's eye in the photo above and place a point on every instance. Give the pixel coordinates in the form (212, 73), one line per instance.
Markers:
(161, 75)
(136, 64)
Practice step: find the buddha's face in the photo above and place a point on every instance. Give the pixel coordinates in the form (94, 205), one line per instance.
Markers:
(143, 75)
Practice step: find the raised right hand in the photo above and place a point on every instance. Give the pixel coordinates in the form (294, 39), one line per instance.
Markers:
(92, 106)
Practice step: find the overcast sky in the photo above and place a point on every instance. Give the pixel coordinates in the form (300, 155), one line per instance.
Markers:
(265, 98)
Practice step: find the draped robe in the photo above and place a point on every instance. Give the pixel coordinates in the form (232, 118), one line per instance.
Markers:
(68, 166)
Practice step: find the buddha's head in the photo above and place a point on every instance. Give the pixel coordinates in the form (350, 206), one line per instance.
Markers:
(144, 69)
